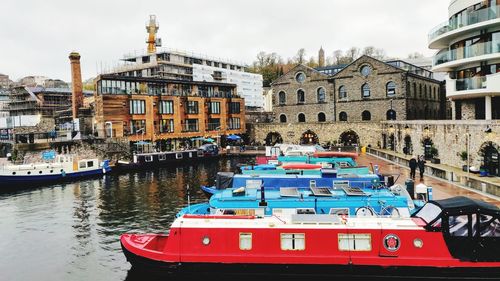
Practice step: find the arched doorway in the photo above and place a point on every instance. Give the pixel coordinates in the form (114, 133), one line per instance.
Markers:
(408, 148)
(427, 144)
(391, 114)
(309, 137)
(273, 138)
(391, 142)
(349, 138)
(491, 162)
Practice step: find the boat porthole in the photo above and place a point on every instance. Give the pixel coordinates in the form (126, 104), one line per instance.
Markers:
(418, 243)
(62, 170)
(14, 173)
(29, 173)
(205, 241)
(40, 172)
(51, 171)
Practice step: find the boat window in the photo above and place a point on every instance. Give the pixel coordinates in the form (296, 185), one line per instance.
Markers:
(178, 155)
(162, 157)
(148, 158)
(39, 172)
(489, 226)
(229, 212)
(255, 184)
(293, 241)
(306, 211)
(51, 171)
(82, 165)
(459, 225)
(355, 242)
(90, 164)
(245, 241)
(14, 173)
(29, 173)
(339, 211)
(190, 155)
(429, 212)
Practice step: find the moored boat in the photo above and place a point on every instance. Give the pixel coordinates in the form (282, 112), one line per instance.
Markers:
(456, 238)
(64, 167)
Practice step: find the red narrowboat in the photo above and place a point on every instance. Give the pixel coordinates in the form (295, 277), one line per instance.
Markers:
(457, 238)
(328, 154)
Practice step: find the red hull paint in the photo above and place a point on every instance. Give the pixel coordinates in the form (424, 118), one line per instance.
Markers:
(301, 166)
(325, 154)
(184, 245)
(262, 160)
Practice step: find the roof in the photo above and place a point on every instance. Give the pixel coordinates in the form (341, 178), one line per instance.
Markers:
(464, 205)
(160, 80)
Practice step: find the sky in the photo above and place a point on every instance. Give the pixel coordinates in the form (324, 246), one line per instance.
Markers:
(36, 37)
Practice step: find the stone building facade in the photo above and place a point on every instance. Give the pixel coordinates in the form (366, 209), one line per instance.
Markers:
(365, 90)
(303, 95)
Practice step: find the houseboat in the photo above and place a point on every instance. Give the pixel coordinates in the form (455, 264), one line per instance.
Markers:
(63, 167)
(155, 159)
(456, 238)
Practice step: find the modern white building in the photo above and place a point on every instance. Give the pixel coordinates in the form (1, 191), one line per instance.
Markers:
(181, 65)
(468, 45)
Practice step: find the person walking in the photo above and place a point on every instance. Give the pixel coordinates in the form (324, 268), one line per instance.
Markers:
(413, 167)
(421, 167)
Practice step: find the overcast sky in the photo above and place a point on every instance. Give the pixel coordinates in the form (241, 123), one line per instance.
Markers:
(37, 36)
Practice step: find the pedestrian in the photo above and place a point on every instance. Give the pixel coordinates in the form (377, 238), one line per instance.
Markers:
(413, 167)
(421, 167)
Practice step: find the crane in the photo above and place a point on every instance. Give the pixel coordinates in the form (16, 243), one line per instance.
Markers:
(152, 28)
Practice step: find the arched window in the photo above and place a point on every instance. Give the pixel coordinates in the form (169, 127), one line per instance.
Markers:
(390, 89)
(301, 96)
(391, 114)
(420, 91)
(366, 115)
(321, 117)
(342, 93)
(365, 91)
(342, 116)
(282, 98)
(414, 90)
(321, 94)
(301, 117)
(282, 118)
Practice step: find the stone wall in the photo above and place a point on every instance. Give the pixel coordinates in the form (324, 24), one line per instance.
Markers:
(449, 137)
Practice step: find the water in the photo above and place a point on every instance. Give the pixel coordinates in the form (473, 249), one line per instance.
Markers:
(71, 231)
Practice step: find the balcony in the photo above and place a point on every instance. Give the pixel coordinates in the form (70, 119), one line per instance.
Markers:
(440, 36)
(448, 59)
(473, 87)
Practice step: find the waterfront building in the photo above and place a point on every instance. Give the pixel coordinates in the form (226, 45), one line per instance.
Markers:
(166, 111)
(32, 81)
(4, 81)
(468, 49)
(365, 90)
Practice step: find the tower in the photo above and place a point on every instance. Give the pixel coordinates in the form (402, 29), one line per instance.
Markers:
(321, 57)
(152, 28)
(76, 83)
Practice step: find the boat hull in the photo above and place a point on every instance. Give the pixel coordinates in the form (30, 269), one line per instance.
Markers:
(307, 270)
(25, 180)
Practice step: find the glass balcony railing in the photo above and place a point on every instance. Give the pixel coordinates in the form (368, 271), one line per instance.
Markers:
(475, 50)
(473, 83)
(466, 20)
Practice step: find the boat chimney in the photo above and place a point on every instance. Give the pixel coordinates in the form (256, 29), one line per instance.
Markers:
(262, 202)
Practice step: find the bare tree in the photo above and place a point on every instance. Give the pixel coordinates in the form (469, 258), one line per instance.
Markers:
(352, 54)
(415, 55)
(337, 56)
(300, 57)
(369, 51)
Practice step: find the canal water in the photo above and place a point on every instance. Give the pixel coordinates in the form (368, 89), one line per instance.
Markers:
(71, 231)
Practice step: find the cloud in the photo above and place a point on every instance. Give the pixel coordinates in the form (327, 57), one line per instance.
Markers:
(37, 36)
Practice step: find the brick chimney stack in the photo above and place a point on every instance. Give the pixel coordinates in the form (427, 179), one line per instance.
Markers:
(76, 84)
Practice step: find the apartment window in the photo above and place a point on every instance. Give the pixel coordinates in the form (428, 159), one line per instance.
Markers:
(282, 98)
(355, 242)
(234, 123)
(366, 115)
(192, 107)
(321, 94)
(342, 92)
(343, 116)
(214, 107)
(166, 107)
(293, 241)
(167, 126)
(137, 107)
(390, 89)
(301, 96)
(138, 127)
(213, 124)
(234, 107)
(365, 91)
(282, 118)
(245, 241)
(191, 125)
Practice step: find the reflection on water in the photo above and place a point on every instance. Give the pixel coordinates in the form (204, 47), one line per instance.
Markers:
(71, 231)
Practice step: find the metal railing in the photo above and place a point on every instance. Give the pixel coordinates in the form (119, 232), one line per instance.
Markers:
(472, 83)
(475, 50)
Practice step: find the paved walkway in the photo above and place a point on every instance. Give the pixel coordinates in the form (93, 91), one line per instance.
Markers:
(440, 188)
